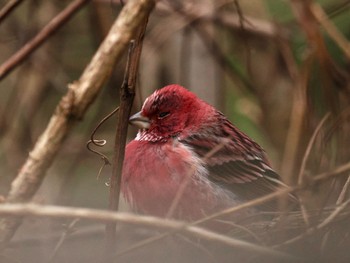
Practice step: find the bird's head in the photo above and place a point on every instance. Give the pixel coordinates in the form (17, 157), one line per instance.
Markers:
(170, 111)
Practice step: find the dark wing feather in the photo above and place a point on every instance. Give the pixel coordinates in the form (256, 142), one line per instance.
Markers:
(235, 161)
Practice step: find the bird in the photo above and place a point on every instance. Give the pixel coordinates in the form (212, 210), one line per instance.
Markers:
(189, 161)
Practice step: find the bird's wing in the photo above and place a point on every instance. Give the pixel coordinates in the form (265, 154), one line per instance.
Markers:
(234, 160)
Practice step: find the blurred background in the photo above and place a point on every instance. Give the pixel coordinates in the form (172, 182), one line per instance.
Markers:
(276, 68)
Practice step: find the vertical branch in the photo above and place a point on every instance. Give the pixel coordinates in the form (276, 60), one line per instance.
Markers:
(127, 94)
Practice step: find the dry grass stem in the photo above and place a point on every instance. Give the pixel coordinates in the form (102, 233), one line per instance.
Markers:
(309, 148)
(303, 165)
(343, 192)
(320, 226)
(63, 237)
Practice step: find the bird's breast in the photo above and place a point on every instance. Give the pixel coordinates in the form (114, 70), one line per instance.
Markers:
(154, 173)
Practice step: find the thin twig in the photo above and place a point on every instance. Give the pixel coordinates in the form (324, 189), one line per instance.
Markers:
(303, 165)
(8, 8)
(338, 8)
(333, 215)
(320, 226)
(41, 37)
(143, 243)
(200, 247)
(244, 229)
(339, 201)
(309, 147)
(343, 192)
(63, 237)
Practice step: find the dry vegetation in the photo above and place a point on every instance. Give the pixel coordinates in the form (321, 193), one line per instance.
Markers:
(278, 69)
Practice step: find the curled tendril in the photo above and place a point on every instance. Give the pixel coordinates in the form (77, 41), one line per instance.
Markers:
(100, 143)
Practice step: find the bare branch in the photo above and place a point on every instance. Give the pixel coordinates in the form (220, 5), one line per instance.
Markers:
(127, 218)
(73, 106)
(41, 37)
(127, 95)
(63, 237)
(8, 8)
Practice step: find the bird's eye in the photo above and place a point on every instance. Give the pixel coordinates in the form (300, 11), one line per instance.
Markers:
(163, 114)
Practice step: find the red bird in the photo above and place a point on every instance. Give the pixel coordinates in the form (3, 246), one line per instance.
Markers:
(185, 143)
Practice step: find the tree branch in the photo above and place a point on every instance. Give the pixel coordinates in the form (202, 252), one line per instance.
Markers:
(73, 106)
(127, 94)
(40, 38)
(127, 218)
(8, 8)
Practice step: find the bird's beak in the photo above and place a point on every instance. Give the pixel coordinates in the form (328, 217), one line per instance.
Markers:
(140, 121)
